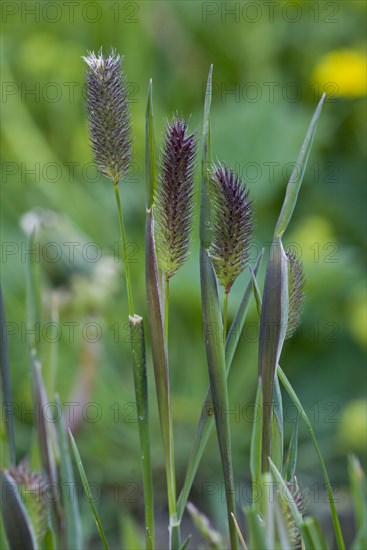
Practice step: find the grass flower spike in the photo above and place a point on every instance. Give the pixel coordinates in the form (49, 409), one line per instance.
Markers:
(108, 114)
(233, 224)
(296, 283)
(174, 197)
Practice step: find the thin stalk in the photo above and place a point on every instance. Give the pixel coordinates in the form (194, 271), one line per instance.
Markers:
(141, 396)
(225, 315)
(166, 307)
(140, 384)
(124, 249)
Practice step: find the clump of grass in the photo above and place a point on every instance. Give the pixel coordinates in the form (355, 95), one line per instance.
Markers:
(226, 227)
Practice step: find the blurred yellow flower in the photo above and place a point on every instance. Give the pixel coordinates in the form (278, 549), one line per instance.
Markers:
(353, 425)
(342, 72)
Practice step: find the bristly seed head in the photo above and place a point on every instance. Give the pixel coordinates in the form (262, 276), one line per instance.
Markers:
(296, 283)
(232, 216)
(174, 196)
(108, 114)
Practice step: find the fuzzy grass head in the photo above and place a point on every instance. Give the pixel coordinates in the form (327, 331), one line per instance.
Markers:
(233, 225)
(174, 198)
(108, 114)
(296, 283)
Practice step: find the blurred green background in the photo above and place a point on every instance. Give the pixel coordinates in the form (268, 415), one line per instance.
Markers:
(272, 61)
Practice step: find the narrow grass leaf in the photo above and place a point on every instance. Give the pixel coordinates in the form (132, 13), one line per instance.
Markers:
(6, 391)
(312, 534)
(255, 529)
(215, 353)
(141, 396)
(150, 153)
(206, 421)
(71, 506)
(273, 327)
(296, 178)
(292, 394)
(18, 527)
(290, 464)
(87, 490)
(358, 488)
(205, 218)
(205, 528)
(256, 437)
(46, 438)
(185, 543)
(34, 308)
(277, 426)
(239, 533)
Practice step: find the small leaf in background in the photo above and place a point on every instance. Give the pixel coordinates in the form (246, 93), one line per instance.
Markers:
(6, 391)
(46, 438)
(205, 528)
(71, 505)
(150, 155)
(17, 524)
(359, 491)
(87, 490)
(290, 464)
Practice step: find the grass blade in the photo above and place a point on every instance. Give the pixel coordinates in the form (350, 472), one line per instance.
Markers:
(296, 178)
(273, 327)
(292, 394)
(71, 507)
(218, 380)
(256, 438)
(277, 426)
(206, 422)
(205, 220)
(34, 309)
(161, 368)
(46, 437)
(290, 464)
(312, 534)
(18, 527)
(87, 490)
(141, 396)
(150, 155)
(358, 487)
(6, 390)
